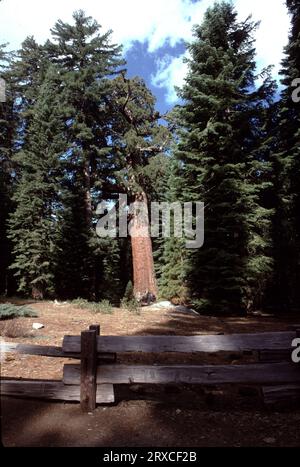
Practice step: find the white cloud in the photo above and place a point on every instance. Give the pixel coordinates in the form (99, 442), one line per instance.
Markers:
(157, 21)
(271, 37)
(170, 72)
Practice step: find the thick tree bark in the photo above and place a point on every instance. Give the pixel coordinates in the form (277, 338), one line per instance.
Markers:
(145, 287)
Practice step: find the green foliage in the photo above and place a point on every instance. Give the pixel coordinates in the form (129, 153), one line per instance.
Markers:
(83, 133)
(128, 295)
(285, 293)
(131, 305)
(74, 130)
(10, 311)
(7, 135)
(33, 227)
(104, 307)
(222, 161)
(128, 302)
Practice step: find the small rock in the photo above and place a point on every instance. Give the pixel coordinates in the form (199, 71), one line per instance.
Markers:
(178, 412)
(269, 440)
(164, 305)
(37, 326)
(57, 303)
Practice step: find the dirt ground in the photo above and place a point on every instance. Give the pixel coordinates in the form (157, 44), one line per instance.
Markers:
(141, 416)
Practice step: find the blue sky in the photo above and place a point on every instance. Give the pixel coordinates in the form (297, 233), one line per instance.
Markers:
(152, 32)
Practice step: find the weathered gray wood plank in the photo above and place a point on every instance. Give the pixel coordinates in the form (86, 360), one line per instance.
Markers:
(277, 373)
(47, 351)
(190, 344)
(53, 390)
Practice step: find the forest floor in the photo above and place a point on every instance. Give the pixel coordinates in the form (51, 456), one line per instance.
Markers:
(152, 416)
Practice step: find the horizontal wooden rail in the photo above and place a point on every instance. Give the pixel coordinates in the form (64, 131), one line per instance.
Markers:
(41, 350)
(47, 351)
(277, 373)
(190, 344)
(53, 390)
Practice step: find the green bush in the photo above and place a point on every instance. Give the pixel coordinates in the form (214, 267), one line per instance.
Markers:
(128, 295)
(132, 305)
(10, 311)
(103, 307)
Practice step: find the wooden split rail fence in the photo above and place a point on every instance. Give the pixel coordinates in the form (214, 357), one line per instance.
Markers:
(92, 380)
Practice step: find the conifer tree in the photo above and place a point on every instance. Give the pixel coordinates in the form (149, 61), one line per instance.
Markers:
(224, 163)
(27, 73)
(7, 134)
(287, 176)
(174, 261)
(37, 195)
(87, 61)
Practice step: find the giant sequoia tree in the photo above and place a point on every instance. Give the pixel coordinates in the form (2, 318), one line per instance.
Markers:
(224, 163)
(139, 141)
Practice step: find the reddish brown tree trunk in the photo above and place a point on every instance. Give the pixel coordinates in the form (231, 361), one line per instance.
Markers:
(144, 281)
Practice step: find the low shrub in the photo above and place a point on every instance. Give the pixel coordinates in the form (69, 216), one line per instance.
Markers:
(16, 328)
(10, 311)
(104, 307)
(132, 306)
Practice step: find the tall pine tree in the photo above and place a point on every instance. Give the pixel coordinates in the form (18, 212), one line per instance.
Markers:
(224, 163)
(287, 176)
(38, 193)
(7, 137)
(87, 61)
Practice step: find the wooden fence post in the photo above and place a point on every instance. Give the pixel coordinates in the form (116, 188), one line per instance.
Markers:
(88, 383)
(105, 358)
(95, 327)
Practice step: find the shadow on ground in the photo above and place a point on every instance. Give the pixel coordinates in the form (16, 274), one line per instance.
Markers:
(161, 416)
(170, 417)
